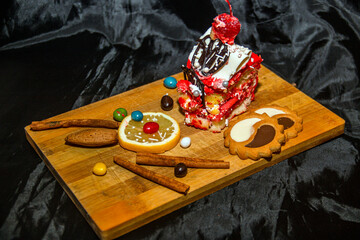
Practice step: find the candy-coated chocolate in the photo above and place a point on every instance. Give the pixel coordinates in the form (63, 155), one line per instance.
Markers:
(180, 170)
(99, 169)
(151, 127)
(170, 82)
(119, 114)
(185, 142)
(167, 103)
(137, 116)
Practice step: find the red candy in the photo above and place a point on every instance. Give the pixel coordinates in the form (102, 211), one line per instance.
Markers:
(151, 127)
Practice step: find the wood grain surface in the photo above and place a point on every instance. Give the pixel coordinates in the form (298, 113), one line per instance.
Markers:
(121, 201)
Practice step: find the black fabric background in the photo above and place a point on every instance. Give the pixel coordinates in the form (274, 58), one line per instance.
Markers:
(60, 55)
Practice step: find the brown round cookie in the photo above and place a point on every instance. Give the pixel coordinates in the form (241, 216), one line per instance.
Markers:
(291, 122)
(254, 136)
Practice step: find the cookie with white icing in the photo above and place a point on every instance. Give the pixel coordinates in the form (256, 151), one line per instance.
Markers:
(291, 122)
(254, 136)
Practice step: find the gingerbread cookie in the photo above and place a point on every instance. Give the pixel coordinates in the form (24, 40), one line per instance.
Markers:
(254, 136)
(291, 122)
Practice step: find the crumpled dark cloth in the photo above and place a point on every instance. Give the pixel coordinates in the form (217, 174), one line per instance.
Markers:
(60, 55)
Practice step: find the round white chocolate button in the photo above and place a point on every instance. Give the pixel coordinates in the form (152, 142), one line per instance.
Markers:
(185, 142)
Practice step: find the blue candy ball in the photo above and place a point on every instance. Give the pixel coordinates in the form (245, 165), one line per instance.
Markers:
(137, 116)
(170, 82)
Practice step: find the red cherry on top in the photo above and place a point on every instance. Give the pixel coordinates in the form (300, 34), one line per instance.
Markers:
(151, 127)
(226, 27)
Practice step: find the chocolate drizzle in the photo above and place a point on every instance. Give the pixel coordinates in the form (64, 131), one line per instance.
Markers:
(286, 122)
(209, 55)
(190, 75)
(264, 135)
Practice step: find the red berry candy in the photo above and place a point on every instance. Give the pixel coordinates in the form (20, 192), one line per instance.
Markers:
(151, 127)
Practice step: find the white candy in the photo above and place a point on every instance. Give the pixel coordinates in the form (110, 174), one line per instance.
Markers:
(185, 142)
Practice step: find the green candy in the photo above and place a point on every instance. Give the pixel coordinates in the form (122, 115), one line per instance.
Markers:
(119, 114)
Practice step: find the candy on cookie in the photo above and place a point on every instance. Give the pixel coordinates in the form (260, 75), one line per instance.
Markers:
(291, 122)
(254, 136)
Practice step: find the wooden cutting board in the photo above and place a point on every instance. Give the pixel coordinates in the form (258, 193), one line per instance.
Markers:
(121, 201)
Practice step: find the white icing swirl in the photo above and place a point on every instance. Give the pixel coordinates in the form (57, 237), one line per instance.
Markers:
(243, 130)
(269, 111)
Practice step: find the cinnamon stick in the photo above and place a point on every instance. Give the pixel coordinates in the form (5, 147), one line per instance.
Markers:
(172, 161)
(153, 176)
(44, 125)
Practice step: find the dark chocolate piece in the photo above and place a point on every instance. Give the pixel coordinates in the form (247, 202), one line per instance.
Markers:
(167, 103)
(286, 122)
(264, 135)
(180, 170)
(213, 55)
(190, 75)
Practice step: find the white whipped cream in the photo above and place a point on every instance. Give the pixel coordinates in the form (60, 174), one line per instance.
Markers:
(238, 58)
